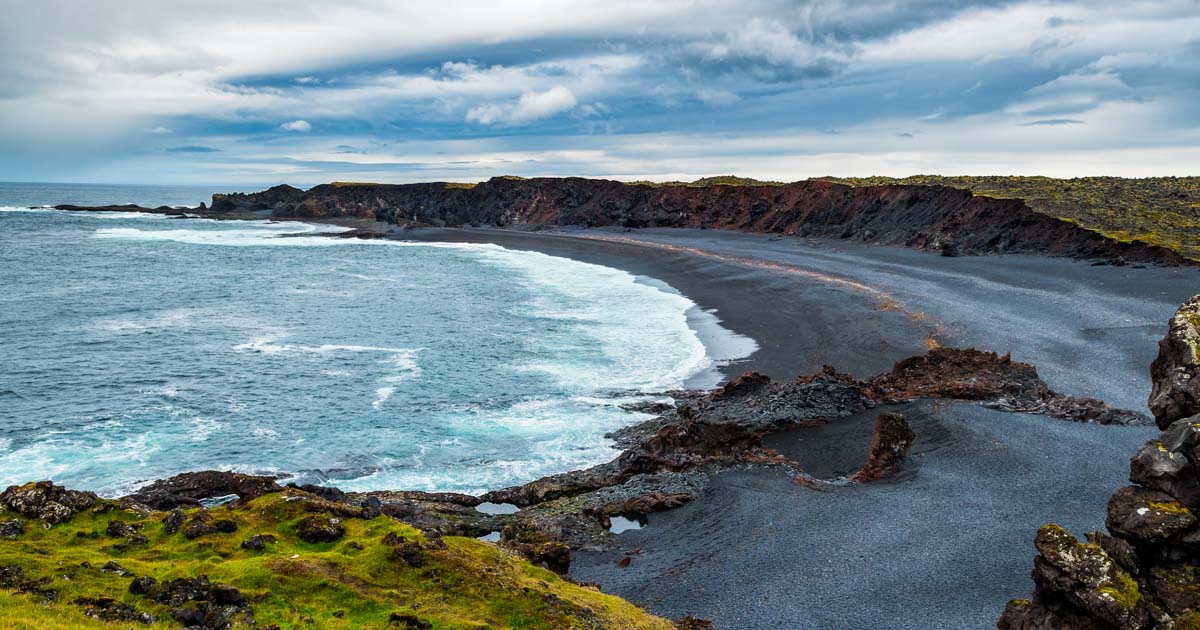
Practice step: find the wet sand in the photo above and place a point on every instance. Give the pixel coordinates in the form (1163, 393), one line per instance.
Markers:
(1091, 331)
(943, 545)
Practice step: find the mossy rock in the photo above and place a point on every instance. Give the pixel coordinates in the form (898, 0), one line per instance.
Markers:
(353, 582)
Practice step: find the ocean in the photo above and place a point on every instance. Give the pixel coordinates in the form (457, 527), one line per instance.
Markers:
(138, 346)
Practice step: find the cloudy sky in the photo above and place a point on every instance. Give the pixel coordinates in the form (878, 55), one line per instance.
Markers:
(298, 91)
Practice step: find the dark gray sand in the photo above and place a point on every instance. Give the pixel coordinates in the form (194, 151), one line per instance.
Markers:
(949, 540)
(943, 545)
(1091, 331)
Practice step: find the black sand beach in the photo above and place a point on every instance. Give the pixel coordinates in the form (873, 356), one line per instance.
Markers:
(949, 540)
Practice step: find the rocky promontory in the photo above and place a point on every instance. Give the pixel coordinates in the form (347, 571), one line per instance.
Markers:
(937, 218)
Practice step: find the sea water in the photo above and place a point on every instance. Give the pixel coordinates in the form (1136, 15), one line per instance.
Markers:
(134, 347)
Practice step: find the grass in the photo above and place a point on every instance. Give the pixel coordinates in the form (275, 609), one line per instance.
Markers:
(351, 583)
(1162, 211)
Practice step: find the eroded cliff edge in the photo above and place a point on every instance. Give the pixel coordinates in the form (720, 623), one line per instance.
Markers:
(935, 218)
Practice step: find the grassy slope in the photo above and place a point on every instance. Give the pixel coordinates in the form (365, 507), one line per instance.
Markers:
(1161, 211)
(469, 584)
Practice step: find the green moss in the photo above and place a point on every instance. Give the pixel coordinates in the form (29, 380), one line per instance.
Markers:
(464, 185)
(1169, 507)
(1123, 590)
(466, 584)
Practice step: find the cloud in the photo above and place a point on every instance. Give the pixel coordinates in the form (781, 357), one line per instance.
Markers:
(192, 148)
(717, 96)
(770, 51)
(302, 126)
(1052, 122)
(85, 88)
(529, 107)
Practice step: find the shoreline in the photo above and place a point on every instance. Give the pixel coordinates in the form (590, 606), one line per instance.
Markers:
(809, 303)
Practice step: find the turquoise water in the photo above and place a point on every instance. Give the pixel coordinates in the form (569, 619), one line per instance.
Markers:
(138, 346)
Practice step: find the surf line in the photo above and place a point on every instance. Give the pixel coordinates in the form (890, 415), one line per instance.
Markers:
(883, 300)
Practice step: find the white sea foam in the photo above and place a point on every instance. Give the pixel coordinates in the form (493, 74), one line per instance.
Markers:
(172, 318)
(615, 333)
(381, 396)
(114, 214)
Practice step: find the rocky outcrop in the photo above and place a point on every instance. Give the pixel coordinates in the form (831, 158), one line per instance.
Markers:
(1176, 371)
(889, 446)
(935, 218)
(189, 489)
(1145, 572)
(998, 381)
(45, 501)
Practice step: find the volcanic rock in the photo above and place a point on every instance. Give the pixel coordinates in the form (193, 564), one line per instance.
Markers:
(187, 489)
(46, 501)
(321, 528)
(11, 529)
(258, 542)
(1147, 573)
(173, 521)
(969, 374)
(1175, 373)
(889, 446)
(203, 524)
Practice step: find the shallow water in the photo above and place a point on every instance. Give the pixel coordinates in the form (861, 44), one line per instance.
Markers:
(138, 346)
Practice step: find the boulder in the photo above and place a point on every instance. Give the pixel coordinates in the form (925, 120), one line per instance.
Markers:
(187, 489)
(1141, 516)
(258, 542)
(1169, 463)
(46, 501)
(320, 528)
(203, 524)
(11, 529)
(1084, 576)
(1175, 392)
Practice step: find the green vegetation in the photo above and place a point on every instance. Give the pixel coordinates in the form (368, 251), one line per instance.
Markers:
(1162, 211)
(1123, 590)
(719, 180)
(357, 581)
(346, 184)
(465, 185)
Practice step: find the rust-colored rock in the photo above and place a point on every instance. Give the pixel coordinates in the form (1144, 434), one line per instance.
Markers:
(889, 446)
(969, 374)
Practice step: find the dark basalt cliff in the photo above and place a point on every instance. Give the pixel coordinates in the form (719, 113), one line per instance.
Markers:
(924, 217)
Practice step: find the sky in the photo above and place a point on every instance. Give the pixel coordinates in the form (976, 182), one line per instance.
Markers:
(243, 92)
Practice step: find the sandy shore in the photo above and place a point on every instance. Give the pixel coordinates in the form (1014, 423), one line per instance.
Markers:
(1091, 331)
(947, 542)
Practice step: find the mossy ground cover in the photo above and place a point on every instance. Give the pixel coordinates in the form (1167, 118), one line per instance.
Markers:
(1162, 211)
(353, 582)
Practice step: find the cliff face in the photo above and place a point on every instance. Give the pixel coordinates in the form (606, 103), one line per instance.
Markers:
(924, 217)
